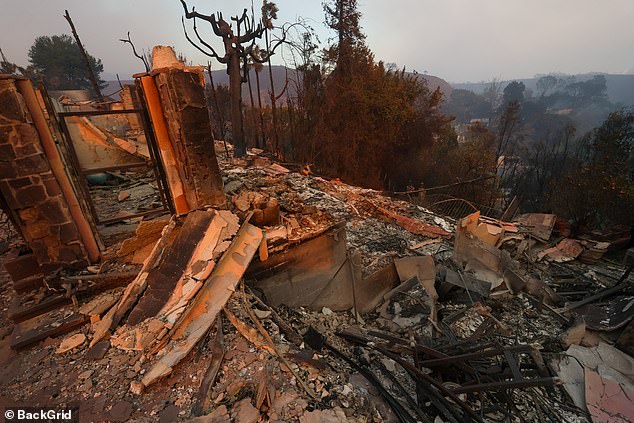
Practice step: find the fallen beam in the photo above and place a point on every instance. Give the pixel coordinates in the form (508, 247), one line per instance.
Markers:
(217, 355)
(36, 335)
(86, 284)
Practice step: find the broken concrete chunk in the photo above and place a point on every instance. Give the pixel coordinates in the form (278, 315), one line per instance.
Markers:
(244, 412)
(599, 379)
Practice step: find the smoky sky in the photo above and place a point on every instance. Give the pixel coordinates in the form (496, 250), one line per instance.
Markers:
(458, 40)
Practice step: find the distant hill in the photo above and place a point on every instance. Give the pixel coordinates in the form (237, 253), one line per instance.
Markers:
(280, 74)
(620, 87)
(279, 80)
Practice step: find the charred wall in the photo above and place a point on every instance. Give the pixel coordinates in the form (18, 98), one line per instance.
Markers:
(29, 187)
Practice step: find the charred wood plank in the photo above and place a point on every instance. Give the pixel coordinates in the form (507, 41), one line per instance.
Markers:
(162, 280)
(86, 285)
(217, 355)
(36, 335)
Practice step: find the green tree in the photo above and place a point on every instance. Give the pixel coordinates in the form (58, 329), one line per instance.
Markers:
(57, 60)
(343, 17)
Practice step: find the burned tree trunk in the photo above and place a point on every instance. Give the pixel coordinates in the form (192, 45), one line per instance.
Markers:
(239, 46)
(84, 55)
(258, 69)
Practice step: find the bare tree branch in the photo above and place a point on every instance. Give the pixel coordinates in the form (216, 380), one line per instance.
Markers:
(206, 53)
(137, 55)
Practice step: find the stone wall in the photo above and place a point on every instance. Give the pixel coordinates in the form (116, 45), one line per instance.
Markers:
(29, 188)
(182, 94)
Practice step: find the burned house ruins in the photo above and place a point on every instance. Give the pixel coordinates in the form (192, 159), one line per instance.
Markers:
(157, 277)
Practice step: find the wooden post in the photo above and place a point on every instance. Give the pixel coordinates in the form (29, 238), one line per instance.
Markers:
(91, 74)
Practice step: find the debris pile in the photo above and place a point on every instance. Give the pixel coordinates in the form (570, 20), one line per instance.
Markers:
(261, 292)
(354, 307)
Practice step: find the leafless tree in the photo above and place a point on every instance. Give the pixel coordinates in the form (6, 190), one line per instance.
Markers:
(143, 58)
(239, 45)
(84, 55)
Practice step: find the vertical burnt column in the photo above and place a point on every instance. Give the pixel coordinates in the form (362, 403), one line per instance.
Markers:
(30, 190)
(182, 94)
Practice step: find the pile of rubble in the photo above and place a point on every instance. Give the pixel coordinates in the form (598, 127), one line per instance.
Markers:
(261, 292)
(312, 300)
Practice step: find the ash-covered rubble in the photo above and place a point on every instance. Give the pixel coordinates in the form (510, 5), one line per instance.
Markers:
(312, 300)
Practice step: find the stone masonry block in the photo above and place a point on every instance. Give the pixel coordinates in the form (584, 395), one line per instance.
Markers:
(28, 215)
(8, 134)
(6, 152)
(52, 187)
(22, 267)
(53, 210)
(31, 165)
(27, 149)
(31, 195)
(68, 233)
(71, 254)
(20, 183)
(10, 102)
(28, 135)
(37, 230)
(7, 171)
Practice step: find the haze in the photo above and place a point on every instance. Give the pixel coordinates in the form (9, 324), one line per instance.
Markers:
(458, 40)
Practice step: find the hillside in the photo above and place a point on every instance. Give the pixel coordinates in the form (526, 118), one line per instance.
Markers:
(280, 73)
(620, 87)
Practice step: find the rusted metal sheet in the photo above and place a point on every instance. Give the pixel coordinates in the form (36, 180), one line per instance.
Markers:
(483, 258)
(539, 225)
(313, 274)
(566, 250)
(211, 298)
(412, 225)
